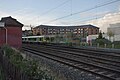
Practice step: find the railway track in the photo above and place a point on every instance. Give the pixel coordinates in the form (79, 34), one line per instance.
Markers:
(112, 52)
(84, 48)
(105, 68)
(103, 54)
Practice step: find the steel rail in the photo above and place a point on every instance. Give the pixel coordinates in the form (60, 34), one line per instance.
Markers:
(46, 53)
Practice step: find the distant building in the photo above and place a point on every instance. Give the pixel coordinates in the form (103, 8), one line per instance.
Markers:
(82, 30)
(114, 28)
(27, 33)
(14, 32)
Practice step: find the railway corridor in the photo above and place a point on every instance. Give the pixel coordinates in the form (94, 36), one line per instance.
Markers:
(100, 64)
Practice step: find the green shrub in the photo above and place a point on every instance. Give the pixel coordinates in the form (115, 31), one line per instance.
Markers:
(8, 51)
(30, 67)
(101, 41)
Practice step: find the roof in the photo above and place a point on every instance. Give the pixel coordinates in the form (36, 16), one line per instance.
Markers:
(9, 21)
(49, 26)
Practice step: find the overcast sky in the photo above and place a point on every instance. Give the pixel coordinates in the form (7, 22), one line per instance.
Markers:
(36, 12)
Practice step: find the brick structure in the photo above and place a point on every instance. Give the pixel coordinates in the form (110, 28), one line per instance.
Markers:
(14, 32)
(82, 30)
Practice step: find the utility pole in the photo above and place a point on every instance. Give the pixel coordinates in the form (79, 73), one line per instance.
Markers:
(2, 25)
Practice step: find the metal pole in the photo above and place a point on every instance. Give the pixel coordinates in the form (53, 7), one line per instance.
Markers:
(3, 26)
(5, 35)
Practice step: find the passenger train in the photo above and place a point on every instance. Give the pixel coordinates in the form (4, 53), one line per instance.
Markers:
(46, 38)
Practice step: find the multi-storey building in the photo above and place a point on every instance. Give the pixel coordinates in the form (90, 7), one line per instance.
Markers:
(81, 30)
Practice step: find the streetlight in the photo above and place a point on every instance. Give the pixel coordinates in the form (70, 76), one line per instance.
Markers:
(2, 25)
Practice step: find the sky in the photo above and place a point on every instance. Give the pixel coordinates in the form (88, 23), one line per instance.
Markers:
(51, 12)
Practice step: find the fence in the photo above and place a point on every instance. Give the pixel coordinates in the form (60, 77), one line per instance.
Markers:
(11, 72)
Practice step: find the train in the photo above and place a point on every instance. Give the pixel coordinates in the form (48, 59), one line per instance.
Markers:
(51, 39)
(43, 38)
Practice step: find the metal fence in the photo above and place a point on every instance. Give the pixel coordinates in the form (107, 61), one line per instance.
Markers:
(11, 72)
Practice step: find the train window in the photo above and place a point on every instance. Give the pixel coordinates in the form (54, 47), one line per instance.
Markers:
(40, 39)
(32, 39)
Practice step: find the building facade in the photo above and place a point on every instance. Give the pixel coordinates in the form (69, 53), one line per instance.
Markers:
(82, 30)
(114, 28)
(14, 32)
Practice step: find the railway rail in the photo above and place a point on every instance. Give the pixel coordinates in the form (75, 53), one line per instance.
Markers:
(98, 53)
(108, 68)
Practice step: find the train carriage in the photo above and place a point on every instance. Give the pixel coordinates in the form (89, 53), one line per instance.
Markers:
(46, 38)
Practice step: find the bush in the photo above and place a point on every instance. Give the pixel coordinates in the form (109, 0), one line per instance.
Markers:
(101, 41)
(7, 51)
(117, 44)
(30, 67)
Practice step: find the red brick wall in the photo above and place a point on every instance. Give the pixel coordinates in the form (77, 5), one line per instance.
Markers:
(14, 37)
(93, 31)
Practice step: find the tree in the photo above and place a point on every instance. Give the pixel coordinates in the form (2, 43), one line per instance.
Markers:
(70, 36)
(110, 34)
(100, 36)
(57, 38)
(101, 40)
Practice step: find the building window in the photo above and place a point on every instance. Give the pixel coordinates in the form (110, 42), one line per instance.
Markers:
(61, 29)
